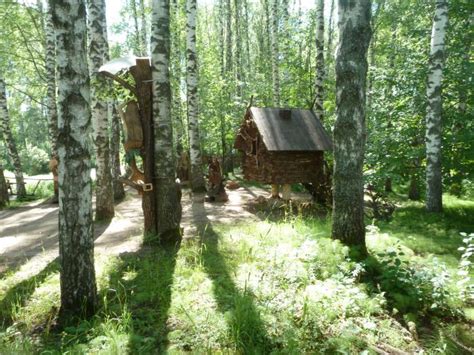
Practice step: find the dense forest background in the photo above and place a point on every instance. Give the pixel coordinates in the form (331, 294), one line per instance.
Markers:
(237, 61)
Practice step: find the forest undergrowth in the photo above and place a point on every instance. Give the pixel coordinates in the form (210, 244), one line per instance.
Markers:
(272, 286)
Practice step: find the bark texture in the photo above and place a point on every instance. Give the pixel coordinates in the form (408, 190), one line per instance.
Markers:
(10, 141)
(320, 68)
(434, 188)
(98, 55)
(76, 237)
(119, 192)
(197, 178)
(275, 54)
(50, 72)
(3, 189)
(168, 195)
(349, 129)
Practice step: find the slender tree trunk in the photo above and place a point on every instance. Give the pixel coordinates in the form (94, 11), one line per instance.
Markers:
(50, 72)
(228, 39)
(238, 48)
(76, 237)
(119, 191)
(320, 68)
(144, 26)
(98, 55)
(137, 38)
(330, 29)
(434, 188)
(10, 141)
(349, 130)
(413, 191)
(3, 189)
(197, 178)
(275, 54)
(168, 195)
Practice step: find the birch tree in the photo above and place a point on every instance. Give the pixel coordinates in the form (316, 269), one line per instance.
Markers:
(168, 196)
(76, 237)
(98, 55)
(349, 129)
(10, 141)
(434, 188)
(115, 141)
(320, 69)
(4, 199)
(50, 73)
(275, 54)
(197, 179)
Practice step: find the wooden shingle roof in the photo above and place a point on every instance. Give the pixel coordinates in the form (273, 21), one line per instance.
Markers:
(290, 129)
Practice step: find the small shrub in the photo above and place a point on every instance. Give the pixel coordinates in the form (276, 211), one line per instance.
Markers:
(419, 291)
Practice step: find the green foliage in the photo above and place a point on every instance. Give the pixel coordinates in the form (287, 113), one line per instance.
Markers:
(416, 291)
(34, 160)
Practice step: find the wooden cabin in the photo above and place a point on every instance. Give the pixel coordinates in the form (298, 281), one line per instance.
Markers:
(282, 146)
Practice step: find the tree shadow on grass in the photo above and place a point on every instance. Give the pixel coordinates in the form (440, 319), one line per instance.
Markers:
(18, 295)
(244, 321)
(142, 286)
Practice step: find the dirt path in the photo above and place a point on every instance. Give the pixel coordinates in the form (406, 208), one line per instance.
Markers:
(29, 234)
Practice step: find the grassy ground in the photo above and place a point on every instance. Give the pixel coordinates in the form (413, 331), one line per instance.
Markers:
(280, 286)
(45, 189)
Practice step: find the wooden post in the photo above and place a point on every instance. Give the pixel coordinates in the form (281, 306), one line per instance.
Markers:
(142, 75)
(275, 191)
(286, 192)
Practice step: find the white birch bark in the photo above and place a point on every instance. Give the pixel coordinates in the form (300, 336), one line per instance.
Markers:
(349, 130)
(434, 188)
(144, 29)
(197, 179)
(10, 141)
(50, 72)
(320, 68)
(275, 54)
(168, 196)
(98, 55)
(76, 237)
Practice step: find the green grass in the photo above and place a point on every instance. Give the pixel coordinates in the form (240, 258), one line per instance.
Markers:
(44, 190)
(280, 287)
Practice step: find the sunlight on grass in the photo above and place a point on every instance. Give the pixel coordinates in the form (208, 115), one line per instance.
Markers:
(259, 287)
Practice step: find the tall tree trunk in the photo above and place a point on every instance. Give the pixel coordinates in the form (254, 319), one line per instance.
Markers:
(3, 189)
(119, 192)
(144, 26)
(168, 195)
(10, 141)
(434, 188)
(137, 46)
(76, 237)
(228, 38)
(50, 72)
(349, 129)
(320, 69)
(197, 178)
(98, 55)
(238, 49)
(330, 29)
(275, 54)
